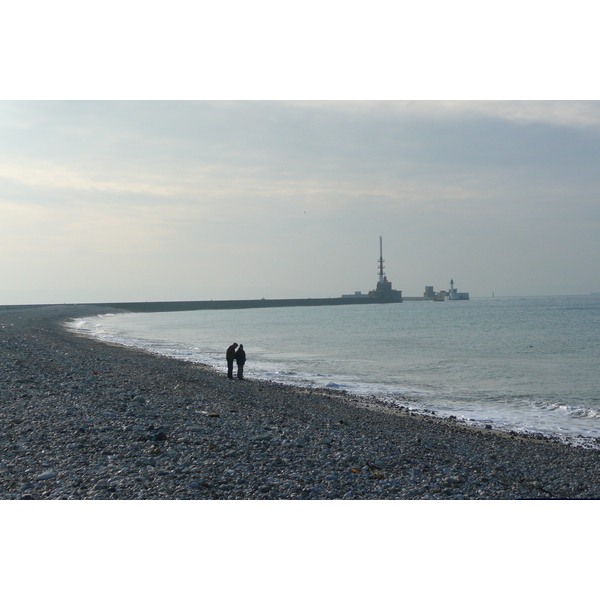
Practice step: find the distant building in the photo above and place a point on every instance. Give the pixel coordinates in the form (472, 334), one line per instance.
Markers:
(383, 292)
(431, 294)
(455, 294)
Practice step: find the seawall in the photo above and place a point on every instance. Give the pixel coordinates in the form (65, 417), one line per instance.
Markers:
(234, 304)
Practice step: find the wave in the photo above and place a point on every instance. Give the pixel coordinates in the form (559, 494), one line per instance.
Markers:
(424, 390)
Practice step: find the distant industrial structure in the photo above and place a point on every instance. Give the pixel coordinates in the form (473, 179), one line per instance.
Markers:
(441, 296)
(382, 294)
(383, 291)
(455, 294)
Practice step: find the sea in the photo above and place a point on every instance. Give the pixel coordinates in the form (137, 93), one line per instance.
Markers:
(524, 364)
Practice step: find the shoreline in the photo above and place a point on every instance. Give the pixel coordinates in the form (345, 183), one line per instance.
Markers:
(358, 390)
(85, 419)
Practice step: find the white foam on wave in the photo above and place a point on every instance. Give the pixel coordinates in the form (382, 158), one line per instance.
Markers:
(502, 410)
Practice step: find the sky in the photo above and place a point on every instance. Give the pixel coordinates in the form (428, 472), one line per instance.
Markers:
(246, 151)
(184, 200)
(228, 150)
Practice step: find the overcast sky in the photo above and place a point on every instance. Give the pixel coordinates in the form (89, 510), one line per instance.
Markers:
(147, 200)
(151, 200)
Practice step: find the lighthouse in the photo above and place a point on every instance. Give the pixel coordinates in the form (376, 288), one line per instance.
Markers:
(455, 295)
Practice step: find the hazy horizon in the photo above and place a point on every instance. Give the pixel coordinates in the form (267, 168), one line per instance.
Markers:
(197, 151)
(106, 201)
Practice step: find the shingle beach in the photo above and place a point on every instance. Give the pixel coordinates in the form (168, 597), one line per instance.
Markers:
(81, 419)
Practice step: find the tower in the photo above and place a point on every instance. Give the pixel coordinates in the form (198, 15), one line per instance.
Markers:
(384, 291)
(381, 275)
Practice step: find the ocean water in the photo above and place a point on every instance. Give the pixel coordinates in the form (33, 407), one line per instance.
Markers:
(519, 364)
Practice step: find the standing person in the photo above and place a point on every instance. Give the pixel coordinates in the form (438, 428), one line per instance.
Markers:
(230, 356)
(240, 358)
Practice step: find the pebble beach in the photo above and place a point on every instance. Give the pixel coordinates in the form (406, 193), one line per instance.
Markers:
(82, 419)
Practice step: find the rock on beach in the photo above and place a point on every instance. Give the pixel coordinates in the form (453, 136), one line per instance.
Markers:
(81, 419)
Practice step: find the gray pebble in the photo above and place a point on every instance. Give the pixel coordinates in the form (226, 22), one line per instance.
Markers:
(139, 430)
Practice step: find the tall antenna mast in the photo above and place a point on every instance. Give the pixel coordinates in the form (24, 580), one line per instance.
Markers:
(381, 260)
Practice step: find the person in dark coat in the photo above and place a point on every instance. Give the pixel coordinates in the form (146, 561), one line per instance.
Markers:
(230, 356)
(240, 358)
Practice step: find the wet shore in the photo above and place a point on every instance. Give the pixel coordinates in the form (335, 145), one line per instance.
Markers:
(80, 419)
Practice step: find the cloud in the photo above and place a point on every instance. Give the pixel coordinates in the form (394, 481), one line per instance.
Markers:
(146, 193)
